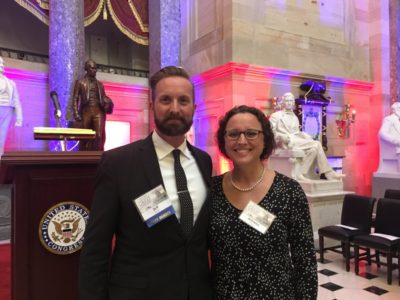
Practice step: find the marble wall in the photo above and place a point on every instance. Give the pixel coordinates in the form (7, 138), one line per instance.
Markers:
(206, 39)
(130, 96)
(252, 50)
(311, 37)
(219, 89)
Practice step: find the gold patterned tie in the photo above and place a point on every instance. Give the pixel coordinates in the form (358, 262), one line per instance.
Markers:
(183, 195)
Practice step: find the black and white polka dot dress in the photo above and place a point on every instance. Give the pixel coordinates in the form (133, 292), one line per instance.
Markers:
(280, 264)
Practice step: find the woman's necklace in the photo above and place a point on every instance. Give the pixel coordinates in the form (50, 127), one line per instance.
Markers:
(250, 187)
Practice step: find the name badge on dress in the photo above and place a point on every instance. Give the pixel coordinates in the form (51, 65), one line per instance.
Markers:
(257, 217)
(154, 206)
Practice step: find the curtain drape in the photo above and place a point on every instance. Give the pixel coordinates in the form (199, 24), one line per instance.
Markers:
(130, 16)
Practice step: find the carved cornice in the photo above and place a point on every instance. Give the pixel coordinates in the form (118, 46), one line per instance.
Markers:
(250, 72)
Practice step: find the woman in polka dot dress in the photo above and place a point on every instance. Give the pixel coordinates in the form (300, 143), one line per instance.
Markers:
(265, 249)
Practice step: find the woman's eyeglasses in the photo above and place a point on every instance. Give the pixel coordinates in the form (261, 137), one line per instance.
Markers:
(249, 134)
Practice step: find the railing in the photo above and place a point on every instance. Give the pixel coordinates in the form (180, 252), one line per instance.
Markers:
(122, 71)
(24, 55)
(42, 58)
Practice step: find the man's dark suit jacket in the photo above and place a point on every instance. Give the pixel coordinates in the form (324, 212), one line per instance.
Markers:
(147, 263)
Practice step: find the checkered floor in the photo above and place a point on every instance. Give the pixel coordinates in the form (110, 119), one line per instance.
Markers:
(335, 283)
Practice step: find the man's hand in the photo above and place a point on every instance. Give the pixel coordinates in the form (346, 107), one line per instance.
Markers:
(283, 140)
(18, 123)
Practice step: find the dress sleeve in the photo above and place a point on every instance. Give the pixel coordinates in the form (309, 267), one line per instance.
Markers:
(302, 247)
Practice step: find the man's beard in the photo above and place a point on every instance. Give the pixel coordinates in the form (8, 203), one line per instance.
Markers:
(174, 129)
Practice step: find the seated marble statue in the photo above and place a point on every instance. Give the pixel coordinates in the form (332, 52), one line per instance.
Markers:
(389, 135)
(286, 127)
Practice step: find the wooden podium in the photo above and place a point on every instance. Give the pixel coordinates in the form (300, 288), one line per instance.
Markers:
(40, 181)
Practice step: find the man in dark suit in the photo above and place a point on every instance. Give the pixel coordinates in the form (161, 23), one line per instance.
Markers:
(90, 105)
(165, 261)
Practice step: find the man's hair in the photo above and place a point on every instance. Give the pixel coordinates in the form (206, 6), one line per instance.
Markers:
(269, 140)
(166, 72)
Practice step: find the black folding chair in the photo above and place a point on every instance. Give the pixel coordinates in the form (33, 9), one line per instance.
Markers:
(392, 194)
(387, 223)
(357, 214)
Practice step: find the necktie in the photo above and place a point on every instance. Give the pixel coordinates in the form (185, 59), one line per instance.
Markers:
(183, 195)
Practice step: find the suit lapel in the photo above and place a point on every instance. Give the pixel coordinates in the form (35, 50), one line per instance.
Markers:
(152, 171)
(151, 166)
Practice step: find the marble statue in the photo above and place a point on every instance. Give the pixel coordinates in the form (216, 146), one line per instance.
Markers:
(390, 129)
(286, 127)
(9, 105)
(389, 140)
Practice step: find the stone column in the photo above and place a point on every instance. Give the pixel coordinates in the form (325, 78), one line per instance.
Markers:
(394, 27)
(164, 37)
(66, 53)
(165, 34)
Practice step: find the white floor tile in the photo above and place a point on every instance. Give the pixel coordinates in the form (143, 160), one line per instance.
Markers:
(353, 286)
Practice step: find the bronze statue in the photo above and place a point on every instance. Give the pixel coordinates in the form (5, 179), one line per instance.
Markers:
(90, 106)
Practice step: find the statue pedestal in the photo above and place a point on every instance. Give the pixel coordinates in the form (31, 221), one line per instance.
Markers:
(383, 181)
(321, 187)
(325, 209)
(325, 197)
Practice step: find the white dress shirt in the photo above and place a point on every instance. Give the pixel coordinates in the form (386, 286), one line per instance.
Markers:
(197, 188)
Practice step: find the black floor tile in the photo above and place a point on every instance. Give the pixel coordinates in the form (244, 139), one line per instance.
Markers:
(376, 290)
(367, 275)
(327, 272)
(331, 286)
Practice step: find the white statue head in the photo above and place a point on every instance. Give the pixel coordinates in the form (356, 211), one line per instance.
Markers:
(288, 101)
(1, 65)
(396, 108)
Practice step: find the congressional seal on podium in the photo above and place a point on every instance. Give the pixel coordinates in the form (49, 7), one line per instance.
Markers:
(62, 227)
